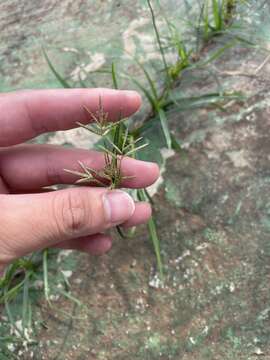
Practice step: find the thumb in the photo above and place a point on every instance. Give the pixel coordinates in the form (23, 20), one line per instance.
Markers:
(33, 222)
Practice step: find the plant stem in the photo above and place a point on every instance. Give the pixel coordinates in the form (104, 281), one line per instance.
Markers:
(168, 79)
(45, 276)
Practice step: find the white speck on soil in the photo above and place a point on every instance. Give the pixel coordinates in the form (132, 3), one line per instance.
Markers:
(156, 282)
(205, 330)
(11, 347)
(97, 60)
(202, 246)
(232, 287)
(182, 257)
(238, 158)
(69, 49)
(67, 273)
(54, 297)
(62, 254)
(78, 281)
(258, 351)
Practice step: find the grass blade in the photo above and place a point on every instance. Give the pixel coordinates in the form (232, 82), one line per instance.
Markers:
(26, 304)
(175, 144)
(114, 78)
(148, 78)
(219, 52)
(146, 73)
(148, 197)
(217, 15)
(61, 80)
(11, 320)
(159, 41)
(165, 128)
(70, 297)
(215, 55)
(45, 276)
(153, 234)
(205, 15)
(146, 92)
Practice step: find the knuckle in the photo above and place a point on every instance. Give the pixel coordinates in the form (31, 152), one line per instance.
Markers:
(72, 213)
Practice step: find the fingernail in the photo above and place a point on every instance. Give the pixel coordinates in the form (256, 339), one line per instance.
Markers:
(118, 205)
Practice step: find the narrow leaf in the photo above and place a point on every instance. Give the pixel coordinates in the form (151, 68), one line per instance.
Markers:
(175, 143)
(61, 80)
(165, 128)
(114, 79)
(153, 234)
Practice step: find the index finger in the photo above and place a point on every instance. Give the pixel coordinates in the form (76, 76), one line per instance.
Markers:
(26, 114)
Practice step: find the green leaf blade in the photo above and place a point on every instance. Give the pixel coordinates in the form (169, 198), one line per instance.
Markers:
(165, 127)
(59, 77)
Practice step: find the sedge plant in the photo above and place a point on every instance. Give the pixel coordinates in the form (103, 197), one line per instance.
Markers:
(116, 143)
(217, 16)
(117, 139)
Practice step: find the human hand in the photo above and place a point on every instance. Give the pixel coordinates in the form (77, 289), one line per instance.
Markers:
(75, 218)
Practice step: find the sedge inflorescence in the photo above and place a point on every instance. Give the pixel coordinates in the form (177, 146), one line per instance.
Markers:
(117, 142)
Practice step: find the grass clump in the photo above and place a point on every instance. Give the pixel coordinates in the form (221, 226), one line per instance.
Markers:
(217, 16)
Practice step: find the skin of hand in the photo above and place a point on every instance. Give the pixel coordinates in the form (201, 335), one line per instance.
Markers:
(76, 217)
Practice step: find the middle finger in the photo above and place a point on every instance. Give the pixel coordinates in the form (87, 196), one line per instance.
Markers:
(27, 167)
